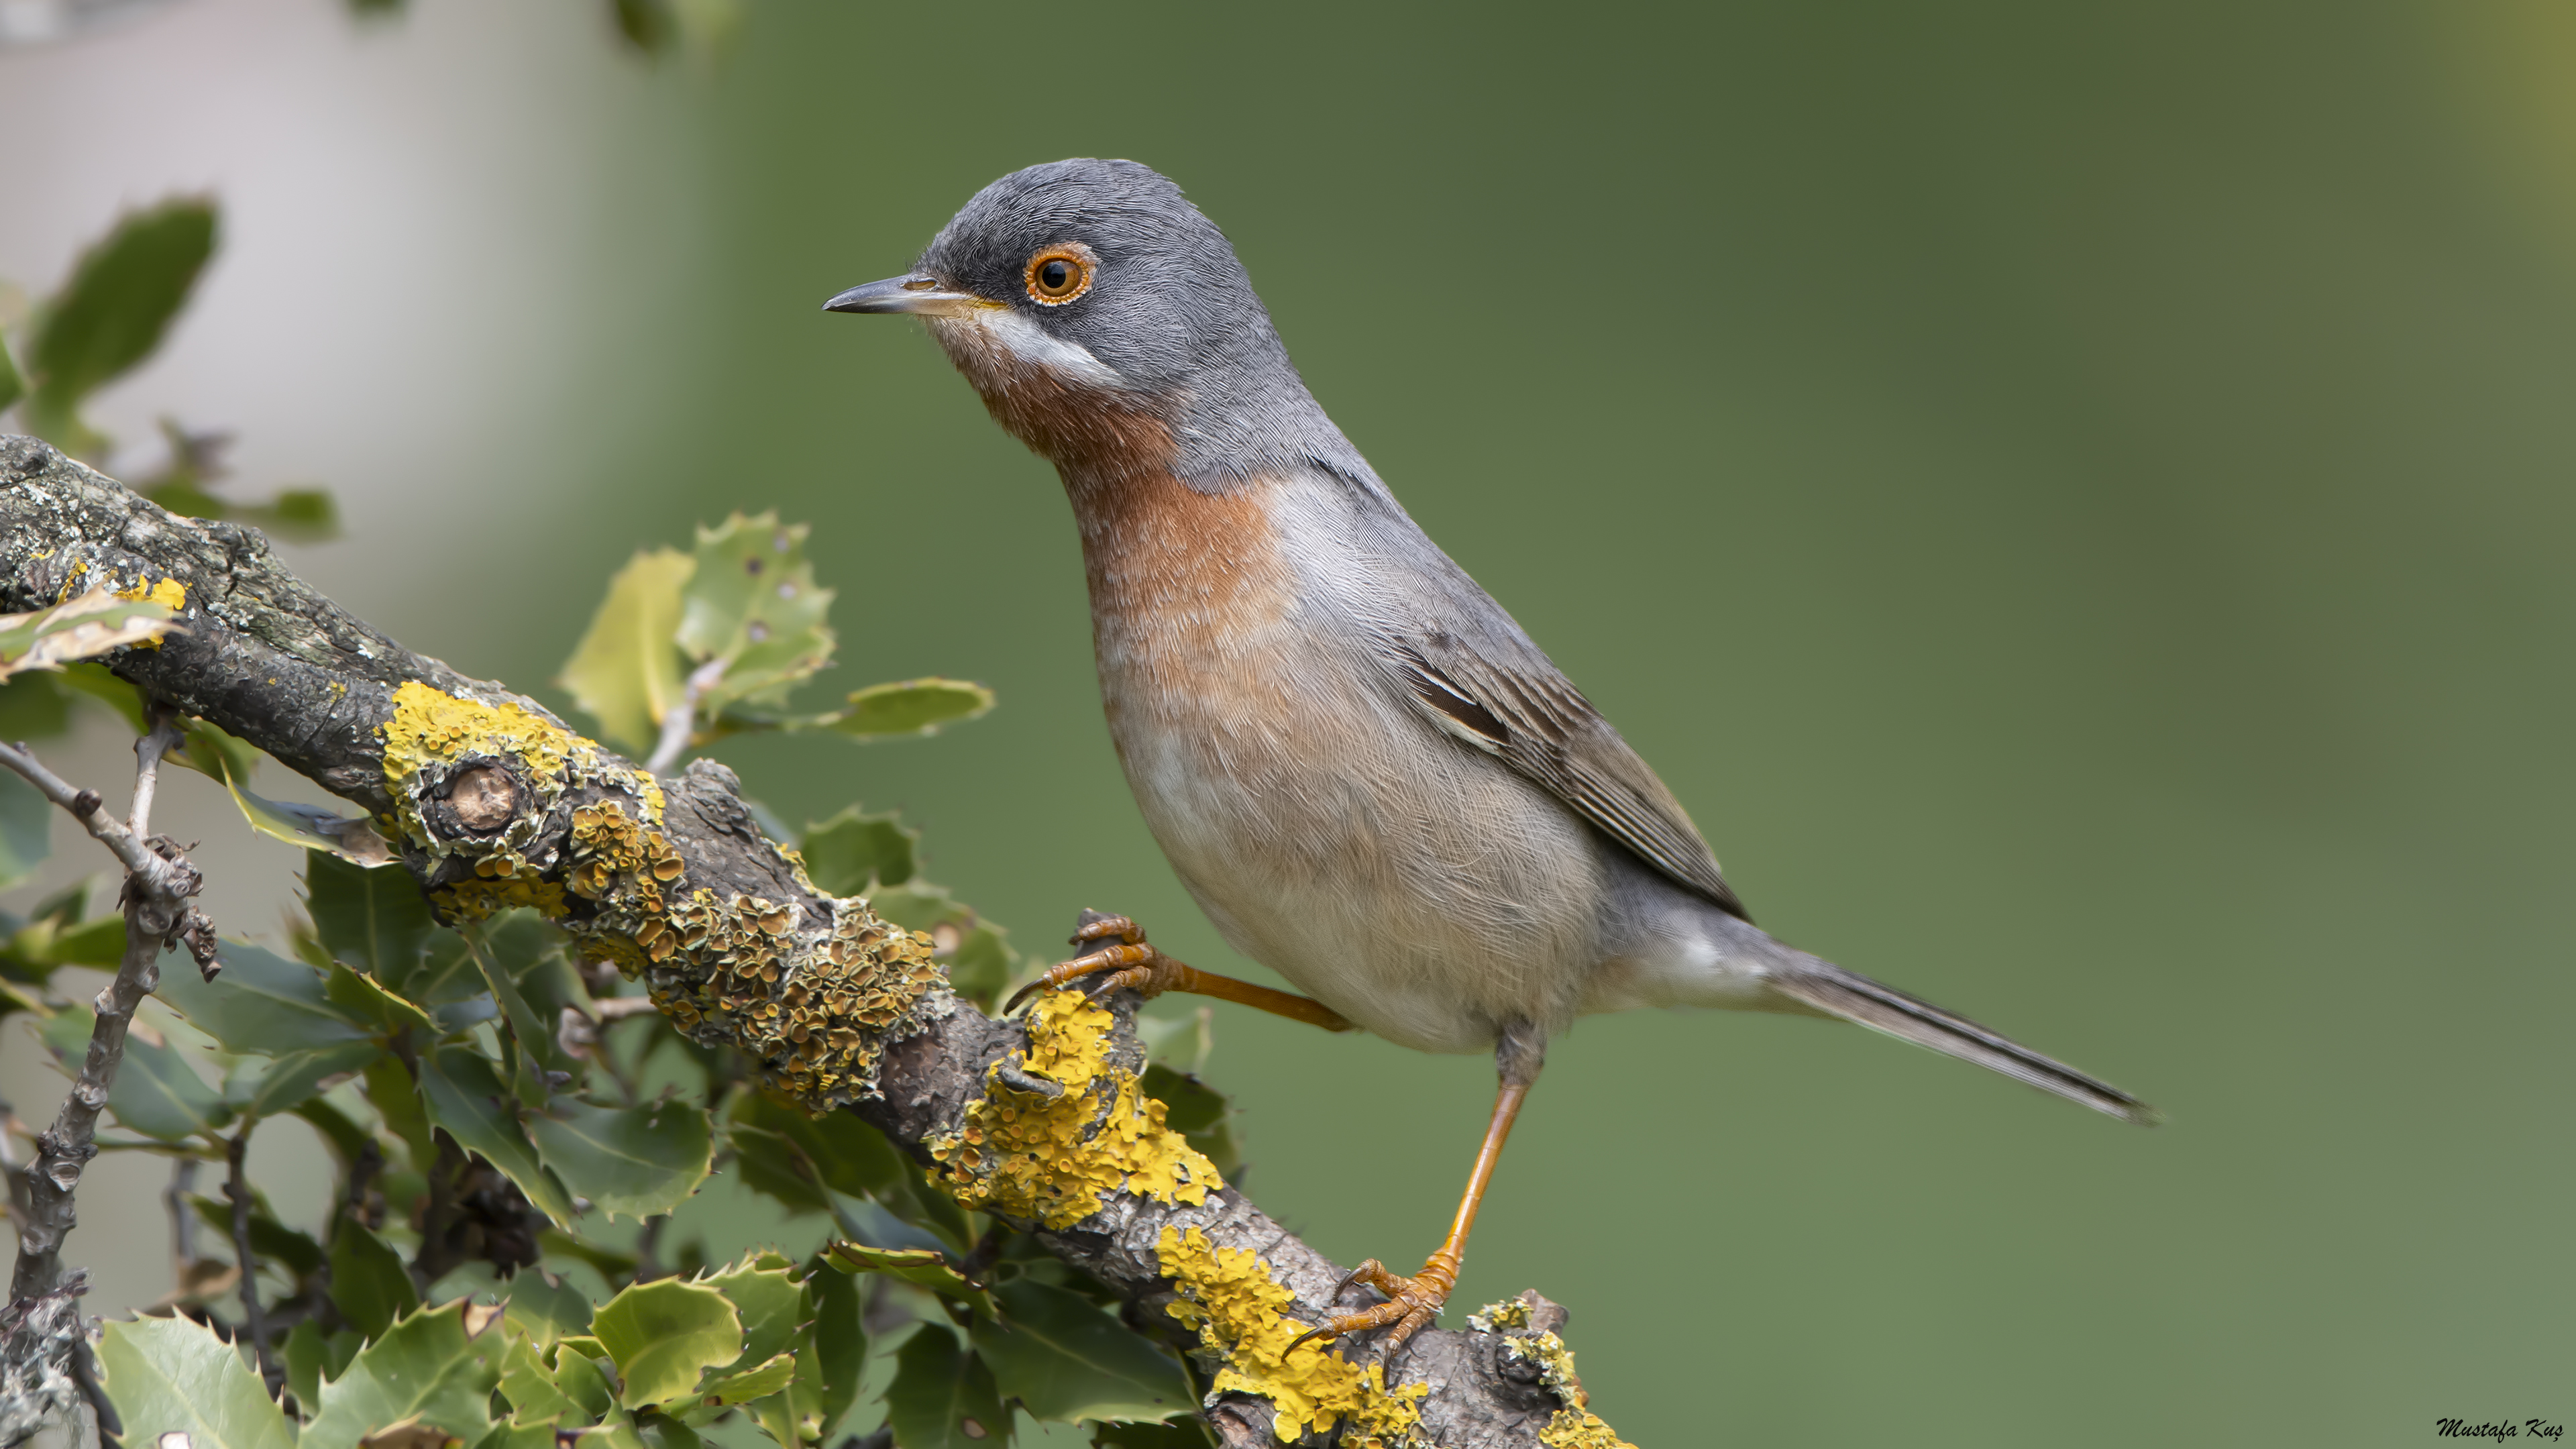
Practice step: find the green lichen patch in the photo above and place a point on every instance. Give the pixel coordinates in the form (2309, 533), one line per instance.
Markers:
(1049, 1155)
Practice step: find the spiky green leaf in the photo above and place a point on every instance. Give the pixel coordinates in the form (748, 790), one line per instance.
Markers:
(369, 1284)
(664, 1335)
(424, 1370)
(464, 1094)
(171, 1375)
(639, 1161)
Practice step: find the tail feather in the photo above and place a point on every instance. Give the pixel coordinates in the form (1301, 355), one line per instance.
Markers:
(1856, 998)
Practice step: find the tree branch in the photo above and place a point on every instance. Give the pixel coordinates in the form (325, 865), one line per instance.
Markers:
(159, 881)
(494, 803)
(245, 1263)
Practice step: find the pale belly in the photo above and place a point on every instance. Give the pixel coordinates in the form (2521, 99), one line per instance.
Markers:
(1409, 883)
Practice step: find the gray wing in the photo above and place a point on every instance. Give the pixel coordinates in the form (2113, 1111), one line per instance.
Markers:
(1495, 691)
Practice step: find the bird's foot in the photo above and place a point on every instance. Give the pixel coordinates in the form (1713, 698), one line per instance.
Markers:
(1130, 964)
(1411, 1303)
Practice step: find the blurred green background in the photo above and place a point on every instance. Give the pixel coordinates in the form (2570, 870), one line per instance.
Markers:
(2076, 502)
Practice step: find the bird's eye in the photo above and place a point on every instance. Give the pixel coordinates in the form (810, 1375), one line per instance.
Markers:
(1059, 274)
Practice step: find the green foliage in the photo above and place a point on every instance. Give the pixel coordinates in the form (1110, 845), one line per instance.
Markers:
(157, 1091)
(664, 1336)
(943, 1396)
(752, 602)
(426, 1369)
(625, 673)
(744, 611)
(168, 1375)
(1065, 1360)
(122, 295)
(914, 707)
(851, 853)
(642, 1161)
(369, 1284)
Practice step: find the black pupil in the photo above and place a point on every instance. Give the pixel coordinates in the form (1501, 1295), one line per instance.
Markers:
(1056, 276)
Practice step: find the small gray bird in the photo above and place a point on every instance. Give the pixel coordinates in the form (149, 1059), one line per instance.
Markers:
(1361, 768)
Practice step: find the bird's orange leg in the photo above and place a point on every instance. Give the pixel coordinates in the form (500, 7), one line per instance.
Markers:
(1132, 965)
(1413, 1302)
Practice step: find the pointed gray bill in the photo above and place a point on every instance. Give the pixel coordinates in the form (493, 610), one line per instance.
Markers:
(919, 295)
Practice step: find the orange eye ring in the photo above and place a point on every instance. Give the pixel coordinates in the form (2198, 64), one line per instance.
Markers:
(1060, 273)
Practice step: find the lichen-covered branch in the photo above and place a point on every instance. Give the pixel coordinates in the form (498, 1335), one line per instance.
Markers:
(493, 802)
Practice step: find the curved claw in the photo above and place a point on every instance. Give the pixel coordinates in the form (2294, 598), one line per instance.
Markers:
(1412, 1304)
(1132, 963)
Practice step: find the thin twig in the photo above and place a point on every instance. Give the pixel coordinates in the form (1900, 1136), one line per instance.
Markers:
(237, 1188)
(183, 1216)
(681, 719)
(158, 882)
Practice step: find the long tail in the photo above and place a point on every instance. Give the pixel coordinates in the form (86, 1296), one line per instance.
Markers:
(1829, 988)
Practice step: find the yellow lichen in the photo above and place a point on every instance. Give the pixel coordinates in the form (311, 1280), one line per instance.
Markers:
(811, 993)
(1031, 1154)
(1579, 1429)
(1574, 1426)
(1240, 1312)
(169, 593)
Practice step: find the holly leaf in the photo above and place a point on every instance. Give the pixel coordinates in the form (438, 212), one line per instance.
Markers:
(172, 1375)
(464, 1095)
(663, 1335)
(849, 853)
(263, 1004)
(914, 707)
(1064, 1359)
(531, 1389)
(772, 1303)
(545, 1308)
(921, 1267)
(744, 1385)
(369, 1284)
(752, 601)
(424, 1370)
(641, 1161)
(122, 295)
(838, 1342)
(361, 997)
(278, 1085)
(156, 1092)
(625, 672)
(374, 921)
(943, 1397)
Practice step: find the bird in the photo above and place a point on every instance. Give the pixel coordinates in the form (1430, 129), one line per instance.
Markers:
(1362, 769)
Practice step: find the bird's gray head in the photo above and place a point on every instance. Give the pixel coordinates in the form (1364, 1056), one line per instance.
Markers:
(1101, 316)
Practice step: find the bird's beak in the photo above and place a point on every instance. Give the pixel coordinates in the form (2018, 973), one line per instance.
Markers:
(920, 295)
